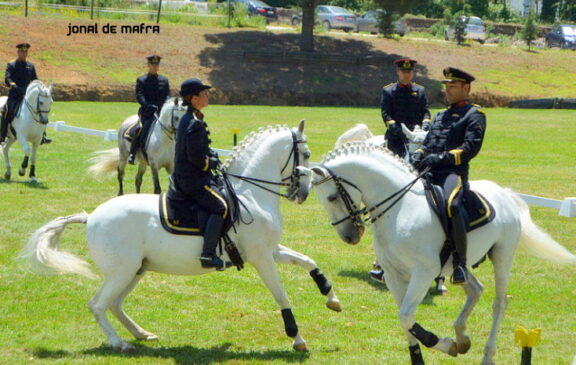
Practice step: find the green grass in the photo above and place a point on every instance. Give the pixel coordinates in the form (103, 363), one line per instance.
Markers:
(230, 317)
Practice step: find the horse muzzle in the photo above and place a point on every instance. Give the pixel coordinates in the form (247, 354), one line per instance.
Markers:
(354, 236)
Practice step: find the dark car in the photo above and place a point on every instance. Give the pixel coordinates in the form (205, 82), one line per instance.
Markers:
(257, 7)
(563, 36)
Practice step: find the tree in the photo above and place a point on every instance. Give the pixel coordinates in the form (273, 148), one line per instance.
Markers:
(567, 10)
(529, 31)
(549, 8)
(459, 24)
(395, 8)
(307, 35)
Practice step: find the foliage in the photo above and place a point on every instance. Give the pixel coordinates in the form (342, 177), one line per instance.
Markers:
(358, 6)
(438, 29)
(239, 16)
(459, 25)
(529, 31)
(568, 11)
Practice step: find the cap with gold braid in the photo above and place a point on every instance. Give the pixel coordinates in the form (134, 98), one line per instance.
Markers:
(23, 46)
(452, 74)
(405, 64)
(154, 59)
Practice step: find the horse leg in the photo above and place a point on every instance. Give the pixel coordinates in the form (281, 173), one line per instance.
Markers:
(285, 255)
(502, 261)
(157, 188)
(440, 287)
(415, 293)
(26, 147)
(33, 163)
(111, 290)
(128, 322)
(120, 174)
(5, 150)
(139, 174)
(473, 289)
(268, 272)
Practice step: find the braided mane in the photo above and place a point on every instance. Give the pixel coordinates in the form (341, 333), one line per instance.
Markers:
(361, 147)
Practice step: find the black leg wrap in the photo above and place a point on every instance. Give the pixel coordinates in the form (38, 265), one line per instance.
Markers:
(416, 355)
(25, 162)
(323, 283)
(32, 171)
(428, 339)
(289, 323)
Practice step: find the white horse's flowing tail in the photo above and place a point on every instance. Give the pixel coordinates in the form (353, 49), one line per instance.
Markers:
(104, 162)
(360, 132)
(43, 256)
(537, 242)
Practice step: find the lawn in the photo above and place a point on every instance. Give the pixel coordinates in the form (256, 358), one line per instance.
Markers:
(231, 317)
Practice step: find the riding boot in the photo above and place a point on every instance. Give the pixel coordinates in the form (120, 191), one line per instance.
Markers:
(3, 127)
(459, 239)
(45, 139)
(134, 150)
(212, 233)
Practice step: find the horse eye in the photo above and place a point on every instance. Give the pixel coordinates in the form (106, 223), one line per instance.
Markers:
(332, 198)
(306, 155)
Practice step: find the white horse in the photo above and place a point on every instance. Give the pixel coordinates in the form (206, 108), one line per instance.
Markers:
(408, 237)
(29, 124)
(159, 148)
(126, 239)
(360, 132)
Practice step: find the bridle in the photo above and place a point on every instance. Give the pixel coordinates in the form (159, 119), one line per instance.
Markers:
(169, 131)
(294, 178)
(37, 110)
(360, 216)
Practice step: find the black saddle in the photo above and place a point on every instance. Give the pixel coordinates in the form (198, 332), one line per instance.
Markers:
(183, 216)
(132, 131)
(478, 213)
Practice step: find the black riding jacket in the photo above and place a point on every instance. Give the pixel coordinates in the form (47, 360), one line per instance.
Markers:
(18, 75)
(152, 90)
(407, 104)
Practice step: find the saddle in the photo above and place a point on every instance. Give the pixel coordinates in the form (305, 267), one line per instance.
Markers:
(478, 213)
(182, 216)
(132, 131)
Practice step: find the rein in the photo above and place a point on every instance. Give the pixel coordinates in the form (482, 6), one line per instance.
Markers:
(356, 215)
(168, 131)
(294, 177)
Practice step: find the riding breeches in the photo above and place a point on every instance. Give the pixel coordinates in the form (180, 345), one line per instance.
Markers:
(210, 198)
(454, 186)
(396, 144)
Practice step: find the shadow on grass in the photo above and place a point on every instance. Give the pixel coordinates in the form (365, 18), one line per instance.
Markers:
(30, 184)
(181, 354)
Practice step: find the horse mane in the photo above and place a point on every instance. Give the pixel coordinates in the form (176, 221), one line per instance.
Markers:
(249, 140)
(361, 147)
(36, 83)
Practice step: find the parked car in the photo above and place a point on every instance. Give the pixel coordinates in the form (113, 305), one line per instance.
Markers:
(563, 36)
(331, 17)
(475, 29)
(257, 7)
(368, 22)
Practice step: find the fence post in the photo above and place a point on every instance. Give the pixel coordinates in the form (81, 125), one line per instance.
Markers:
(26, 9)
(159, 8)
(92, 10)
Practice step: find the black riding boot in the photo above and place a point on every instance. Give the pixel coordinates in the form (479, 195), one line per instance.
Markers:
(212, 232)
(377, 274)
(134, 150)
(3, 127)
(459, 239)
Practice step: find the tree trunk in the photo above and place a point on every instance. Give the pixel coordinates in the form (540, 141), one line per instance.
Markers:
(307, 36)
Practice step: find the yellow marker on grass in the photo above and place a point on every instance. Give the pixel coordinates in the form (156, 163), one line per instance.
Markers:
(235, 134)
(527, 339)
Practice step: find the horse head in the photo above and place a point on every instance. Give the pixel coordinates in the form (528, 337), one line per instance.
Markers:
(300, 176)
(39, 100)
(341, 200)
(172, 111)
(415, 137)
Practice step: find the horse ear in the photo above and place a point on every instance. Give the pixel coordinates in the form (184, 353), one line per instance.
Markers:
(407, 132)
(301, 127)
(320, 171)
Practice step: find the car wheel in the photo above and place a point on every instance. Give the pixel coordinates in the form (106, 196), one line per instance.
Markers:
(481, 41)
(446, 36)
(326, 25)
(295, 22)
(347, 30)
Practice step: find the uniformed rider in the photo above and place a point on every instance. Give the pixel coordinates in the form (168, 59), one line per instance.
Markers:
(19, 74)
(455, 137)
(403, 102)
(152, 90)
(194, 166)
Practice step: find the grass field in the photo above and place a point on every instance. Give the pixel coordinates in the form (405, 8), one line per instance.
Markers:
(231, 317)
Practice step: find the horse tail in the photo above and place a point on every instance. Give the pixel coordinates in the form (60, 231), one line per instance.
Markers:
(360, 132)
(42, 255)
(104, 162)
(538, 243)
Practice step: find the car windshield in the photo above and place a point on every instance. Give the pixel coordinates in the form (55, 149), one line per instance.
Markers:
(475, 21)
(569, 30)
(338, 10)
(260, 4)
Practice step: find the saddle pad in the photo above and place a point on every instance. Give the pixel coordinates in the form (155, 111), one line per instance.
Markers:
(132, 131)
(180, 216)
(480, 211)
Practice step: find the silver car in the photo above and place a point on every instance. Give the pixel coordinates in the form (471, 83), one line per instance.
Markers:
(475, 29)
(369, 23)
(331, 17)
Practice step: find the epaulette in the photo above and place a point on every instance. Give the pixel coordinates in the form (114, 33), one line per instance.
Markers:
(390, 84)
(417, 84)
(479, 108)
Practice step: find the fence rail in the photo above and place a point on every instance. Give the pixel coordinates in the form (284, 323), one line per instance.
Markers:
(566, 207)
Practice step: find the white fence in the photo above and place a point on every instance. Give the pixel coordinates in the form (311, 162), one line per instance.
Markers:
(566, 207)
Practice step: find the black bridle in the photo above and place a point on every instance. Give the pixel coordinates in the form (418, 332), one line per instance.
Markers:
(357, 215)
(169, 131)
(292, 186)
(37, 110)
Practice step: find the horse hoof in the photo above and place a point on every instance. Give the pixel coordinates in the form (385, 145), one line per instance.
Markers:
(7, 176)
(300, 347)
(150, 337)
(33, 180)
(126, 348)
(453, 351)
(464, 346)
(334, 305)
(21, 172)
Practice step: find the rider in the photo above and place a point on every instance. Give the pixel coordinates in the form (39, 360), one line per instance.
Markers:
(455, 138)
(405, 102)
(194, 163)
(152, 90)
(19, 74)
